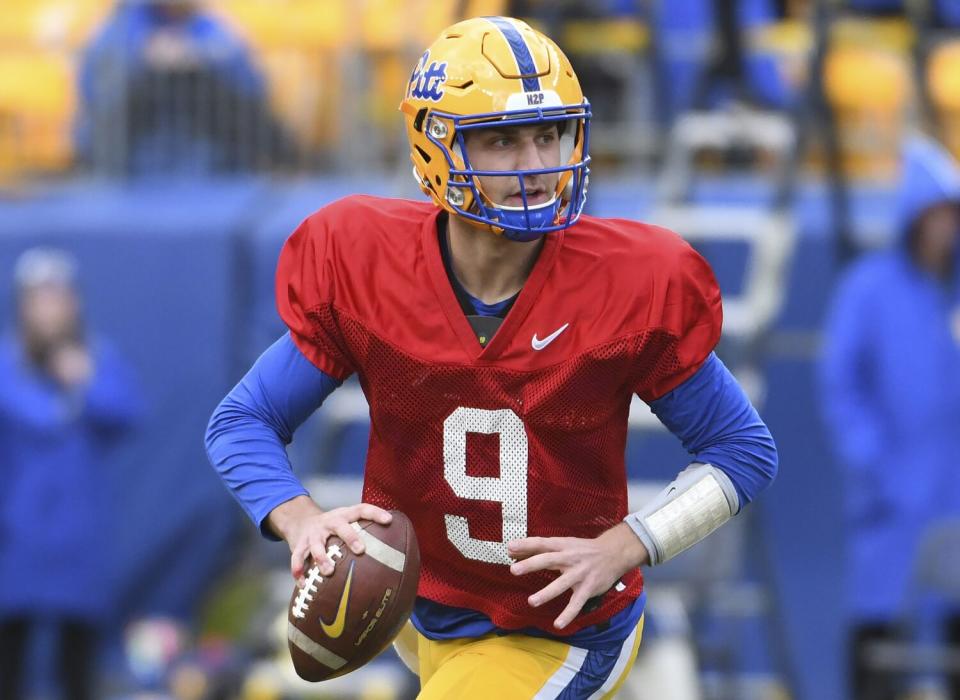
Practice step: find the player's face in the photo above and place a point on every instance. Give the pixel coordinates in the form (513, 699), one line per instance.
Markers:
(528, 147)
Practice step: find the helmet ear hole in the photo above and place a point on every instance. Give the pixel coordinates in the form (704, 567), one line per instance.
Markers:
(423, 154)
(418, 120)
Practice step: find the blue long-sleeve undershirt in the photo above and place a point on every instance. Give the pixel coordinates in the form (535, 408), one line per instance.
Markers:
(249, 430)
(716, 423)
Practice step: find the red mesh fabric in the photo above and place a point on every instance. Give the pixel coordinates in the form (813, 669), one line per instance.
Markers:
(571, 418)
(517, 440)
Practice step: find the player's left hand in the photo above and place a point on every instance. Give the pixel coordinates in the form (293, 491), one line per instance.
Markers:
(588, 567)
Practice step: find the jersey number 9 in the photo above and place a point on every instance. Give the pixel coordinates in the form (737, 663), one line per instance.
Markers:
(509, 489)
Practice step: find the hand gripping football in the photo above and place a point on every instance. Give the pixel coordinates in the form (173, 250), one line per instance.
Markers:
(337, 624)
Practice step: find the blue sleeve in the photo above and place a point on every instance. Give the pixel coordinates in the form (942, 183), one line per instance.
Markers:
(718, 425)
(248, 432)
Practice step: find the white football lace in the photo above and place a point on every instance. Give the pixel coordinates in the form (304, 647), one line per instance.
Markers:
(302, 601)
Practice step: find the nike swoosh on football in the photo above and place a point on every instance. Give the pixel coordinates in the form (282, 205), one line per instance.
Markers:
(335, 628)
(541, 344)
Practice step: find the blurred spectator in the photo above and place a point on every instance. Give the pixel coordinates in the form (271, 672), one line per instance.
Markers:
(891, 395)
(166, 87)
(64, 397)
(711, 54)
(603, 39)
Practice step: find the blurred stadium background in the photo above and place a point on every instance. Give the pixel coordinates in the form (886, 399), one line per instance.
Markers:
(766, 131)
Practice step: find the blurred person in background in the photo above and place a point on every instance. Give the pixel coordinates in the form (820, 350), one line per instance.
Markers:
(602, 63)
(891, 396)
(64, 398)
(166, 86)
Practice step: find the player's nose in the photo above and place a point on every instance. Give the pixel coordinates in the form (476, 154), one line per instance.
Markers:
(529, 155)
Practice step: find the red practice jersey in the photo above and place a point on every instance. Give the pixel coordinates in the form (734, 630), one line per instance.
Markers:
(523, 437)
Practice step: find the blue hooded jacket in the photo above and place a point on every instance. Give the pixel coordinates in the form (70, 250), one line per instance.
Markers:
(55, 521)
(890, 389)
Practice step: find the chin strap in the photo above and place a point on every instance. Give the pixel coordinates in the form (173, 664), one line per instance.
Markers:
(697, 502)
(539, 218)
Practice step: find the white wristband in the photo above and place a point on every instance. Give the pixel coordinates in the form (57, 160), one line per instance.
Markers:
(697, 502)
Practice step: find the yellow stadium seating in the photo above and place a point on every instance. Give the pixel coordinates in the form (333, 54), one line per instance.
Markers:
(50, 23)
(943, 85)
(302, 90)
(321, 24)
(892, 34)
(789, 36)
(78, 21)
(943, 75)
(288, 24)
(39, 40)
(18, 27)
(254, 20)
(870, 91)
(591, 37)
(298, 45)
(411, 25)
(37, 102)
(307, 48)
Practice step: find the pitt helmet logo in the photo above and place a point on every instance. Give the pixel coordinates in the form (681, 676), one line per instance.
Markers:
(335, 629)
(427, 79)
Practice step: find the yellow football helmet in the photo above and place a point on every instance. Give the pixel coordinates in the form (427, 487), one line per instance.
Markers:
(483, 71)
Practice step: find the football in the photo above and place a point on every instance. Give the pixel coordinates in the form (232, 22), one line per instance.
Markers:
(336, 624)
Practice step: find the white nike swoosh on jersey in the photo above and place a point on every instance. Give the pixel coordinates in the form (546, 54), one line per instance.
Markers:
(541, 344)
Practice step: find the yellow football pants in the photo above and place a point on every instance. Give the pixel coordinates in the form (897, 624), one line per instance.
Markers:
(515, 667)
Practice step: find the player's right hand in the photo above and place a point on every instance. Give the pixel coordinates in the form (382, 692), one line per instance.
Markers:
(306, 529)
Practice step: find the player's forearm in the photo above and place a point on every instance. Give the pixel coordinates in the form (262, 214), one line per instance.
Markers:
(717, 424)
(248, 432)
(284, 520)
(251, 460)
(696, 503)
(734, 459)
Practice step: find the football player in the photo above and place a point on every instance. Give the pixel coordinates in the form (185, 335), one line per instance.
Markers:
(499, 335)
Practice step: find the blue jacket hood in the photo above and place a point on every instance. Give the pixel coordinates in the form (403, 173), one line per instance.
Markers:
(930, 176)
